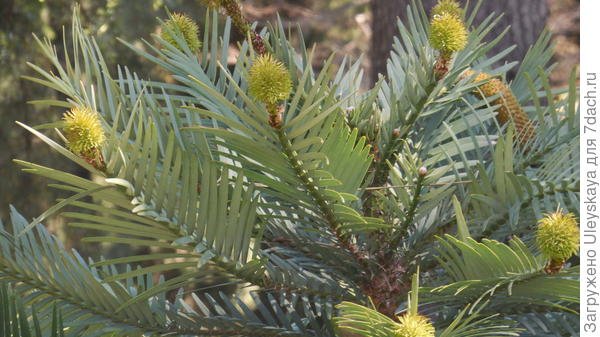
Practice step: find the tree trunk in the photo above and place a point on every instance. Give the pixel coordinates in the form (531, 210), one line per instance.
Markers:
(527, 19)
(385, 14)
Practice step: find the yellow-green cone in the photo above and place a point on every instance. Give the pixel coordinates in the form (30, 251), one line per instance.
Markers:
(184, 25)
(269, 80)
(448, 33)
(414, 326)
(557, 236)
(447, 7)
(83, 130)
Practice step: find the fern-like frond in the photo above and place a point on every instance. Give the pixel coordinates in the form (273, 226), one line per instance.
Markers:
(93, 303)
(18, 321)
(508, 275)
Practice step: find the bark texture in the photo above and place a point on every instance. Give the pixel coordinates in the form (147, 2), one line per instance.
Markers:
(385, 14)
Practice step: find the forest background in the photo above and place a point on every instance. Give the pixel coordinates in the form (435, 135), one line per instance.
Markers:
(346, 27)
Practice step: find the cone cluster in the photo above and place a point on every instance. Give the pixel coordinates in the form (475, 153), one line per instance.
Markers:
(557, 237)
(269, 80)
(447, 34)
(83, 130)
(184, 26)
(447, 7)
(85, 135)
(414, 326)
(509, 107)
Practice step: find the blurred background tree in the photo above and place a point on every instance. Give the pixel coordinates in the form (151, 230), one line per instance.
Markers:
(527, 20)
(346, 27)
(19, 19)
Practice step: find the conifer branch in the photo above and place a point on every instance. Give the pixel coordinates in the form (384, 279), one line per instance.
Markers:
(397, 236)
(59, 294)
(326, 210)
(381, 169)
